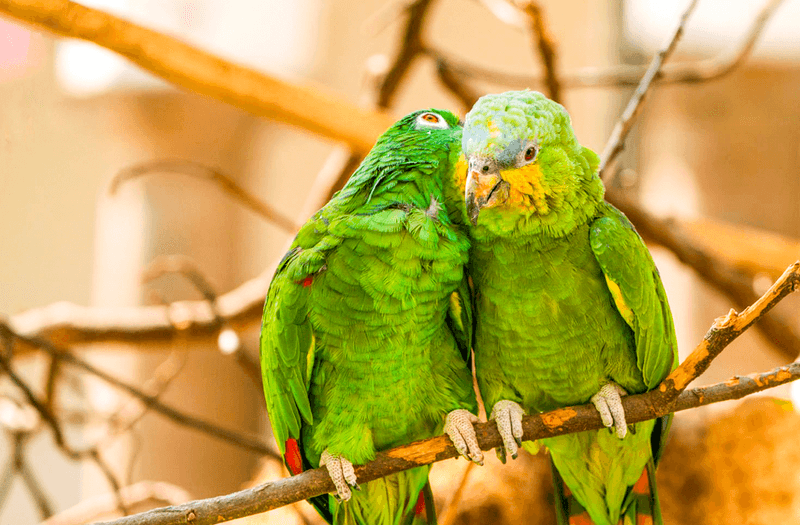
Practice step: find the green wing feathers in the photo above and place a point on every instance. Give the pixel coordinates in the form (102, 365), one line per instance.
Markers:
(287, 353)
(639, 296)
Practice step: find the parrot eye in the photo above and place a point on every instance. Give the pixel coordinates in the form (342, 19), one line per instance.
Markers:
(527, 155)
(431, 120)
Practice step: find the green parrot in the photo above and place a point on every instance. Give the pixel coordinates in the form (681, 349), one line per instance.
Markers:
(367, 327)
(569, 305)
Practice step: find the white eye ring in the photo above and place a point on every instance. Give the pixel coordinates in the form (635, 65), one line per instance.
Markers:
(528, 154)
(431, 120)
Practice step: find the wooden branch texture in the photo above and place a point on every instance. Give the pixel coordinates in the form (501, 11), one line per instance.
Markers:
(310, 108)
(668, 397)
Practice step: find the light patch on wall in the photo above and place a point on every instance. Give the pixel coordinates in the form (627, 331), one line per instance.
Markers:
(273, 36)
(714, 27)
(19, 53)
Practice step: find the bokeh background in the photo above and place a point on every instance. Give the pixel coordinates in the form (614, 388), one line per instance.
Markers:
(72, 116)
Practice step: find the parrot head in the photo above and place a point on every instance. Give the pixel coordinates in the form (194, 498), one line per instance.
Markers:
(525, 170)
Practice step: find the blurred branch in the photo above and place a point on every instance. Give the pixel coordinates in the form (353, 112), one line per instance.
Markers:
(150, 401)
(616, 142)
(143, 493)
(450, 512)
(751, 251)
(624, 74)
(410, 49)
(546, 47)
(310, 108)
(195, 169)
(456, 86)
(668, 397)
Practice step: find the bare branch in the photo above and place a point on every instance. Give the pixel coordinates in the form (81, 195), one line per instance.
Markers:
(455, 85)
(668, 397)
(546, 47)
(410, 49)
(624, 74)
(616, 142)
(151, 401)
(197, 170)
(142, 493)
(310, 108)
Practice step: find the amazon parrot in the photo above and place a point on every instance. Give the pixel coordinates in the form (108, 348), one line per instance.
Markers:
(570, 307)
(367, 327)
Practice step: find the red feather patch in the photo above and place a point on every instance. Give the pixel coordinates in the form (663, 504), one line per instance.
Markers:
(307, 281)
(419, 508)
(293, 459)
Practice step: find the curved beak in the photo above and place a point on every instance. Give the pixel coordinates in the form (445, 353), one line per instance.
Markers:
(482, 190)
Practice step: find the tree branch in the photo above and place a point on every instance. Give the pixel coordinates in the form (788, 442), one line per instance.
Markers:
(616, 142)
(224, 182)
(312, 109)
(151, 401)
(624, 75)
(668, 397)
(546, 47)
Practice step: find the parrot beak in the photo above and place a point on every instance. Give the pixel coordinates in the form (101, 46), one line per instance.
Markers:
(484, 188)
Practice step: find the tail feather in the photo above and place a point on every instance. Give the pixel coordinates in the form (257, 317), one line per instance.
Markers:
(641, 506)
(397, 499)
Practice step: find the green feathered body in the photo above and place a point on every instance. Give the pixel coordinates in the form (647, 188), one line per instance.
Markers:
(567, 295)
(362, 349)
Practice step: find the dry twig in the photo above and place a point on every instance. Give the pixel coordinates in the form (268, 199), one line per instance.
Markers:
(546, 47)
(151, 401)
(668, 397)
(616, 142)
(224, 182)
(624, 74)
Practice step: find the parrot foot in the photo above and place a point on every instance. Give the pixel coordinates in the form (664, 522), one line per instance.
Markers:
(608, 402)
(341, 472)
(508, 417)
(458, 425)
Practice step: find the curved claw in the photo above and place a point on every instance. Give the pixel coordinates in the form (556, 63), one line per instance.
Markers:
(608, 402)
(341, 472)
(458, 426)
(508, 417)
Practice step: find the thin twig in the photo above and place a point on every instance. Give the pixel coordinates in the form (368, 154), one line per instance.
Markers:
(142, 493)
(668, 397)
(616, 142)
(545, 47)
(152, 402)
(625, 74)
(222, 181)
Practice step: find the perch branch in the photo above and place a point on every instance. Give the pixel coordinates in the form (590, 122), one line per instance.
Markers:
(195, 169)
(668, 397)
(616, 142)
(309, 108)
